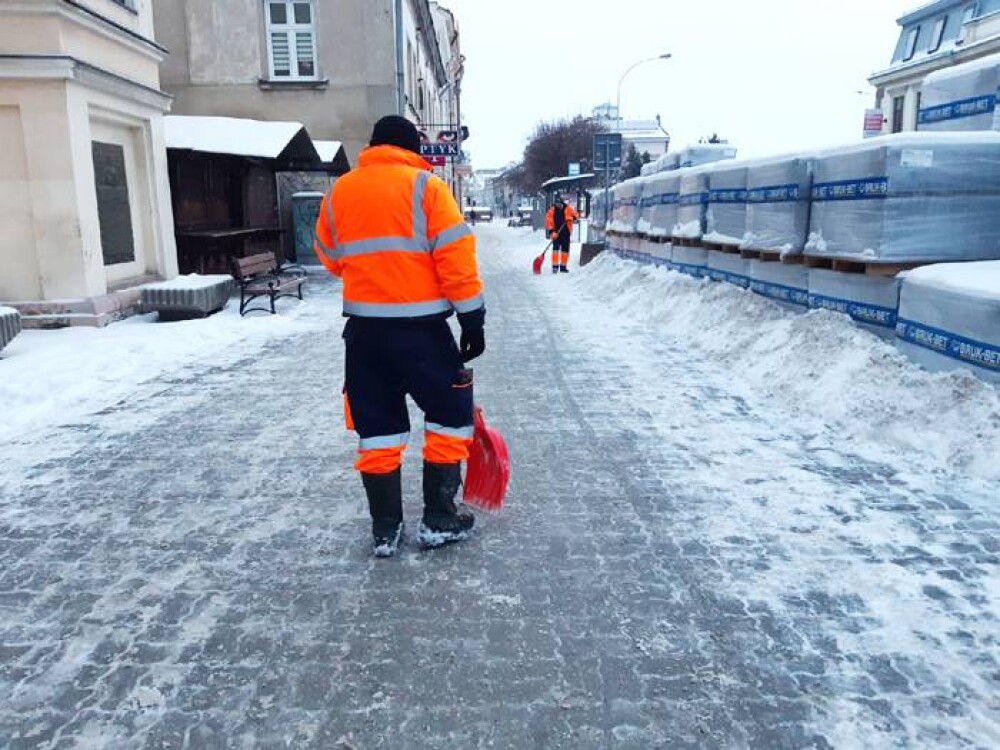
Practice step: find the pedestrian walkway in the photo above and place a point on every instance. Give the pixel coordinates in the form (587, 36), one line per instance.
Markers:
(678, 566)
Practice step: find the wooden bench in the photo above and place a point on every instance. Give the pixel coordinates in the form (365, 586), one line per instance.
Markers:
(261, 276)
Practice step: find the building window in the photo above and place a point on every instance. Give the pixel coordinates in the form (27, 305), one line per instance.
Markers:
(969, 14)
(912, 37)
(291, 40)
(937, 35)
(898, 107)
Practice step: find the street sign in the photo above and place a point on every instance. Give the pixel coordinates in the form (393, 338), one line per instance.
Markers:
(873, 122)
(574, 169)
(607, 152)
(439, 149)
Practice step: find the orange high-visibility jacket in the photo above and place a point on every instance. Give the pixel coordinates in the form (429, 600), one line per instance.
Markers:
(570, 215)
(396, 236)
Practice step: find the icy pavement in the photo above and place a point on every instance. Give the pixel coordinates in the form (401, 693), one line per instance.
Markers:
(700, 550)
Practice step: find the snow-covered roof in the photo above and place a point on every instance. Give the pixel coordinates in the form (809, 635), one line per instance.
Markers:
(230, 135)
(328, 150)
(570, 178)
(645, 135)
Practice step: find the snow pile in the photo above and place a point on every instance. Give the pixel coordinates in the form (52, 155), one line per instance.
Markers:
(831, 376)
(58, 377)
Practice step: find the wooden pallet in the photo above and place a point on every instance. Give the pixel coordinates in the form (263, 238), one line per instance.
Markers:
(860, 267)
(721, 248)
(686, 242)
(751, 254)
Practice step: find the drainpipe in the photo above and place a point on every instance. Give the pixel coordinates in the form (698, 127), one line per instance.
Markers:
(400, 75)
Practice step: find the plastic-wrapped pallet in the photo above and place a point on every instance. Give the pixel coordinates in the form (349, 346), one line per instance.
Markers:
(644, 210)
(726, 213)
(690, 260)
(962, 97)
(691, 200)
(705, 153)
(786, 283)
(949, 316)
(659, 200)
(598, 218)
(659, 253)
(10, 325)
(668, 162)
(728, 267)
(611, 209)
(628, 195)
(870, 300)
(908, 198)
(778, 202)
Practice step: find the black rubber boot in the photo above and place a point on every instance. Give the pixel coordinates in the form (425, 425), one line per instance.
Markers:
(563, 269)
(385, 502)
(442, 522)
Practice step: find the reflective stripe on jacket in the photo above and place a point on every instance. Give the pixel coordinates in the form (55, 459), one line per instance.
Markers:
(570, 216)
(396, 236)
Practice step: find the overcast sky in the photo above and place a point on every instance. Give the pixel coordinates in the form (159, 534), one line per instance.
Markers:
(769, 75)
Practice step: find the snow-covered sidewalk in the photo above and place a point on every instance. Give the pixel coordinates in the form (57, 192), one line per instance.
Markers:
(729, 526)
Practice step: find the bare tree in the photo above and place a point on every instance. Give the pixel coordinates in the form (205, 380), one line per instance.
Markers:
(553, 146)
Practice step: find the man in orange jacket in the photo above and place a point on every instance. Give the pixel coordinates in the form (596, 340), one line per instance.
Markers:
(395, 235)
(559, 224)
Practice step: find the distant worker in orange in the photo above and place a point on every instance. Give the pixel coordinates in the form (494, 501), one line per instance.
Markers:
(559, 224)
(395, 235)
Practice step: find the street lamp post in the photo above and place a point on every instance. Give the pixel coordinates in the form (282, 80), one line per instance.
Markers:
(633, 66)
(618, 115)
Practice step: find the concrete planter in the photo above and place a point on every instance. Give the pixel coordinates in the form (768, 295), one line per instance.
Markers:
(10, 325)
(187, 296)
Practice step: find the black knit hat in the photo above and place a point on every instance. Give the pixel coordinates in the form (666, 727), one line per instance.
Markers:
(393, 130)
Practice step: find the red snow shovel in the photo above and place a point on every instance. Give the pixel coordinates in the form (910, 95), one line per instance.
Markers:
(536, 266)
(488, 470)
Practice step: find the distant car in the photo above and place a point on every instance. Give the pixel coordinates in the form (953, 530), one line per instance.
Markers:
(524, 217)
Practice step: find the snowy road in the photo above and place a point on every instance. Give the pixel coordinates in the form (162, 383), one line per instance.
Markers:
(730, 527)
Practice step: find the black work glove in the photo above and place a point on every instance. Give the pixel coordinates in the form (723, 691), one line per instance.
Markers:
(473, 340)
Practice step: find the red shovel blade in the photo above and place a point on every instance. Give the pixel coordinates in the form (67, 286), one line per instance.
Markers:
(536, 266)
(488, 470)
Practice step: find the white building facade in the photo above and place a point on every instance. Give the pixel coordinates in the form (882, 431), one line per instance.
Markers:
(935, 36)
(84, 195)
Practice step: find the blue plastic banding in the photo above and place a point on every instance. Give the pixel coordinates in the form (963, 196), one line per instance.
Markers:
(950, 344)
(860, 311)
(774, 194)
(872, 188)
(958, 110)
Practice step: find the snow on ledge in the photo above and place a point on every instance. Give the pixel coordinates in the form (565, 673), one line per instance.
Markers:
(192, 281)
